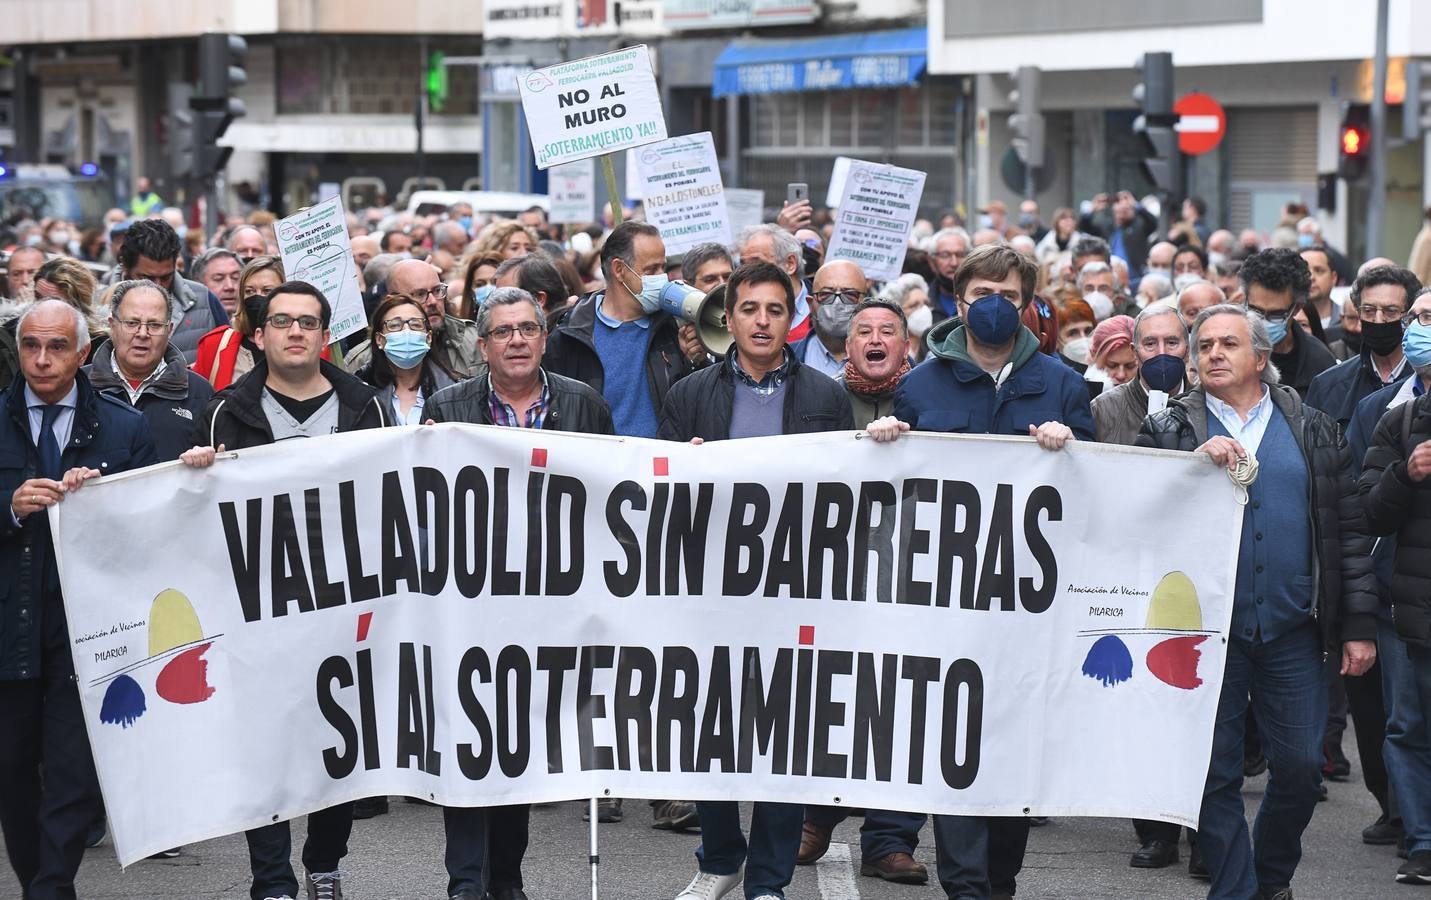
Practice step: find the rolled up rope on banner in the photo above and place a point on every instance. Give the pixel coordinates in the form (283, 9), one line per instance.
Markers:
(1243, 473)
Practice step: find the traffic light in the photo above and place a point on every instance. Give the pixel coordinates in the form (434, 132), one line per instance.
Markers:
(436, 81)
(1354, 141)
(1416, 105)
(221, 74)
(1027, 123)
(1162, 161)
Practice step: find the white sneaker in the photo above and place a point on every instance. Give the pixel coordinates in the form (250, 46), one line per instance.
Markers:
(706, 886)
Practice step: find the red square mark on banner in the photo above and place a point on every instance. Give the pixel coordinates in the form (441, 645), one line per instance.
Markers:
(365, 620)
(661, 465)
(807, 635)
(539, 459)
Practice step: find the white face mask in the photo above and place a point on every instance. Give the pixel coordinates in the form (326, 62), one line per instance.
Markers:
(920, 320)
(1100, 304)
(1077, 350)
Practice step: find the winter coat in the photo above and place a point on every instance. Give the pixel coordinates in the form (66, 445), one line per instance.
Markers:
(1345, 588)
(171, 403)
(235, 416)
(106, 435)
(1397, 505)
(1338, 390)
(700, 406)
(574, 406)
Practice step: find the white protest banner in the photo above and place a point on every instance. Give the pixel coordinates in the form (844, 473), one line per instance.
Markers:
(876, 212)
(313, 243)
(838, 173)
(571, 192)
(587, 107)
(477, 616)
(744, 207)
(682, 192)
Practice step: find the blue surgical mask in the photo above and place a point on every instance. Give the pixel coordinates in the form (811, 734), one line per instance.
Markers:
(992, 320)
(1306, 240)
(480, 295)
(1276, 331)
(1416, 344)
(466, 223)
(651, 288)
(1164, 372)
(405, 349)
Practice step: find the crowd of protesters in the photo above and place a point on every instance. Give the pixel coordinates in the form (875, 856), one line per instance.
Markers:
(1274, 355)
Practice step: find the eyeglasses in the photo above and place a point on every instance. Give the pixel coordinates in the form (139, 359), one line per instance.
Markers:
(1417, 318)
(283, 321)
(132, 326)
(1381, 313)
(437, 293)
(1276, 318)
(845, 295)
(502, 333)
(392, 326)
(946, 255)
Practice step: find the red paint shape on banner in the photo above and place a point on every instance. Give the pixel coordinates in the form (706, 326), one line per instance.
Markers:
(539, 459)
(185, 678)
(1174, 661)
(364, 620)
(661, 465)
(807, 635)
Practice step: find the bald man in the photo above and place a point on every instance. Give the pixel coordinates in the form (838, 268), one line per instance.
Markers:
(454, 340)
(838, 288)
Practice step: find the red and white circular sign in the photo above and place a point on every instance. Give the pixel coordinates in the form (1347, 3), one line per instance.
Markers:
(1201, 123)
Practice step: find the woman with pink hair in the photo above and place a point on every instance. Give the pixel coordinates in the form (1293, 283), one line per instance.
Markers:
(1110, 349)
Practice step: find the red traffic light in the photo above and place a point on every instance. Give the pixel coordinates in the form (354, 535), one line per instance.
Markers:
(1354, 140)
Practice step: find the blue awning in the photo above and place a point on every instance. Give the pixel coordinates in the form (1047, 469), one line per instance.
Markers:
(839, 62)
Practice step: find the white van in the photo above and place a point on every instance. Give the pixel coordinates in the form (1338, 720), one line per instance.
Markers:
(484, 203)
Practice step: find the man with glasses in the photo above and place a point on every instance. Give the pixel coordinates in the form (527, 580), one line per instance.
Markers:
(151, 252)
(454, 340)
(290, 394)
(985, 375)
(485, 846)
(1160, 344)
(951, 245)
(218, 270)
(1381, 295)
(1274, 283)
(138, 366)
(838, 288)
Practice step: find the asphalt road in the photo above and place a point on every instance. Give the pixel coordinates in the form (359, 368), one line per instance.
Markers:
(400, 856)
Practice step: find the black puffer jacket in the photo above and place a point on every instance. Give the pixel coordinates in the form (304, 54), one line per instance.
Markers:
(1346, 587)
(574, 406)
(700, 406)
(1397, 505)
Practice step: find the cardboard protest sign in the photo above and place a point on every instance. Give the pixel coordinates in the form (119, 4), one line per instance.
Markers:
(588, 107)
(483, 616)
(571, 193)
(682, 192)
(877, 209)
(744, 208)
(314, 246)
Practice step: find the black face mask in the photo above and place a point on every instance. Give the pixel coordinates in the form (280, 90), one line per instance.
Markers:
(1353, 341)
(253, 310)
(1380, 338)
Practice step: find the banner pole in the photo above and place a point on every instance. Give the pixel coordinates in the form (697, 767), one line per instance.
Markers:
(613, 196)
(591, 814)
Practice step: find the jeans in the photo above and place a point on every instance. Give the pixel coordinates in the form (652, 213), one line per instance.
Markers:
(1289, 692)
(883, 832)
(271, 847)
(769, 858)
(1406, 676)
(977, 855)
(485, 846)
(42, 728)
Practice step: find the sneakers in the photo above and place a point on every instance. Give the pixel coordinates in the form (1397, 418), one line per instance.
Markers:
(324, 885)
(1416, 869)
(166, 854)
(706, 886)
(674, 815)
(608, 810)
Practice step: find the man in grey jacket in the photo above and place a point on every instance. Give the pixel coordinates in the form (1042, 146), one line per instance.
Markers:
(1160, 342)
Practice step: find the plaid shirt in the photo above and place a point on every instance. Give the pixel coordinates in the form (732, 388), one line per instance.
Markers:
(504, 415)
(769, 383)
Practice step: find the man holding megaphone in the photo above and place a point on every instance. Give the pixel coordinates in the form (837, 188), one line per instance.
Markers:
(622, 341)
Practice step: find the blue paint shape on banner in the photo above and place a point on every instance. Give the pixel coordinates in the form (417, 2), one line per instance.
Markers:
(123, 702)
(1109, 661)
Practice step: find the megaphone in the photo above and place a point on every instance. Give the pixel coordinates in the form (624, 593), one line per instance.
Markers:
(705, 311)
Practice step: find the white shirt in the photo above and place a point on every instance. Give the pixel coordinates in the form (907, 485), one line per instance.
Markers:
(64, 422)
(1248, 434)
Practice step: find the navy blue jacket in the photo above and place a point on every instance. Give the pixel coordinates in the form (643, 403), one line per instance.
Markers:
(1338, 390)
(107, 435)
(948, 393)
